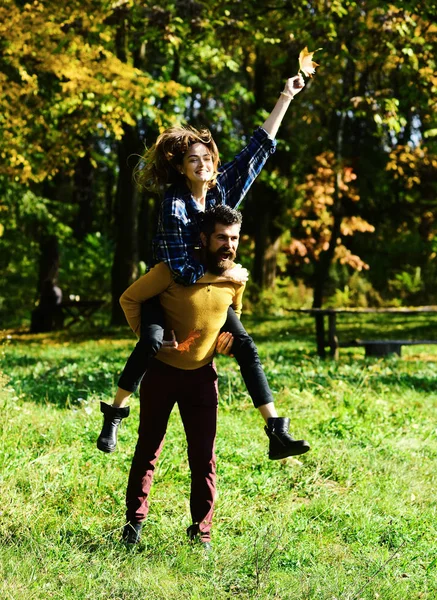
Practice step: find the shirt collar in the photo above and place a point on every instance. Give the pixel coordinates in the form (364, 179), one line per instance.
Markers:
(191, 204)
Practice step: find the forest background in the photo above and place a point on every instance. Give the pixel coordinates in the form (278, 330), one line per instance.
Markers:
(344, 213)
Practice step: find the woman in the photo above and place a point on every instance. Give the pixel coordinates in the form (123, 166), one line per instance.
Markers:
(183, 164)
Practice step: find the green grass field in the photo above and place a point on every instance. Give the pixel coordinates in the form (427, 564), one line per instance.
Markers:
(355, 518)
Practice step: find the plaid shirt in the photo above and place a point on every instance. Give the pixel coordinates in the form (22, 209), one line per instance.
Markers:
(180, 217)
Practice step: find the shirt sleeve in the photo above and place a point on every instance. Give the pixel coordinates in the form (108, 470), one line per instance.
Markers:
(151, 284)
(237, 303)
(236, 177)
(171, 244)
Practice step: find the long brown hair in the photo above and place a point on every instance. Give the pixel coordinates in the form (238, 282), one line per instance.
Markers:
(158, 166)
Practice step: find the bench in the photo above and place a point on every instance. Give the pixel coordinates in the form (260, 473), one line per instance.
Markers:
(384, 347)
(377, 347)
(73, 310)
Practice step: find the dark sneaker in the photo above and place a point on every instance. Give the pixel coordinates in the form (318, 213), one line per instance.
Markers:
(281, 443)
(131, 533)
(196, 536)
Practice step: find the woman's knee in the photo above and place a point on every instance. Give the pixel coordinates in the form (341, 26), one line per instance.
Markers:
(150, 343)
(244, 347)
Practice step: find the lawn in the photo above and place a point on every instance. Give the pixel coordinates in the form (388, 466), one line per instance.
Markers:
(355, 518)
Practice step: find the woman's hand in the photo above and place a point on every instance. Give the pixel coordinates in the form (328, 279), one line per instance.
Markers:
(294, 85)
(237, 273)
(169, 345)
(224, 344)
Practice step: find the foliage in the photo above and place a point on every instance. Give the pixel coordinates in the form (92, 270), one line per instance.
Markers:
(62, 80)
(329, 189)
(81, 79)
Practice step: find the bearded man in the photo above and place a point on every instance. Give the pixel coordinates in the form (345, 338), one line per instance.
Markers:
(183, 372)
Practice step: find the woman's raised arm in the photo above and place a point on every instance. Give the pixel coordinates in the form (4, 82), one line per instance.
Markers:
(292, 87)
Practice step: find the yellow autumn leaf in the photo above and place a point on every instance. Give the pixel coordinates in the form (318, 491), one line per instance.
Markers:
(306, 63)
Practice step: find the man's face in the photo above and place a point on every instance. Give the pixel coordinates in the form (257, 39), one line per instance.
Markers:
(221, 248)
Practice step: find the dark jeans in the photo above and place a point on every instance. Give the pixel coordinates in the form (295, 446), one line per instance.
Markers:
(196, 394)
(152, 332)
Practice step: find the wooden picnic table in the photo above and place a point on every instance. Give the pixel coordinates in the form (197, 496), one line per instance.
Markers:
(376, 347)
(73, 310)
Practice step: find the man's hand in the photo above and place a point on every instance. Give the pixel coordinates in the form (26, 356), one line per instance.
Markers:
(170, 345)
(224, 344)
(294, 85)
(237, 273)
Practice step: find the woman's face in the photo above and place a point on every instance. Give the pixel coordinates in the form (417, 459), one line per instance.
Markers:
(197, 164)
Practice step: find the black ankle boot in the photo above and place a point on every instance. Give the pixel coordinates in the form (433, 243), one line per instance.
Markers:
(131, 533)
(112, 418)
(281, 442)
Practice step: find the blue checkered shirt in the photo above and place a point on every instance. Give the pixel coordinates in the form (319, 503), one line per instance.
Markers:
(180, 218)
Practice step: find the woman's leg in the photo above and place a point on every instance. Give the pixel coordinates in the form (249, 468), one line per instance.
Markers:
(246, 354)
(151, 336)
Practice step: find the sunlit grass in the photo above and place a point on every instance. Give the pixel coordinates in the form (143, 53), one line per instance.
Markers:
(354, 518)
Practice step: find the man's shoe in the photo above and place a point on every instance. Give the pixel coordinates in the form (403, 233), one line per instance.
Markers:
(112, 418)
(131, 533)
(195, 535)
(281, 442)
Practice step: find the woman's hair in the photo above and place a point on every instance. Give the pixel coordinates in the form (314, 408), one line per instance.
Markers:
(158, 166)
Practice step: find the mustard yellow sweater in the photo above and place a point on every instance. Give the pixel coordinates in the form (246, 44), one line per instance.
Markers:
(200, 308)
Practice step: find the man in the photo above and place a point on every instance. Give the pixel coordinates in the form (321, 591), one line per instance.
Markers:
(184, 373)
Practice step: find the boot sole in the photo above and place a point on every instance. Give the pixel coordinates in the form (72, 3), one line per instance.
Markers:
(105, 449)
(287, 453)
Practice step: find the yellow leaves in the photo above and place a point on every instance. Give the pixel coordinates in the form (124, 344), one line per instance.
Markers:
(345, 257)
(350, 225)
(412, 165)
(306, 64)
(61, 82)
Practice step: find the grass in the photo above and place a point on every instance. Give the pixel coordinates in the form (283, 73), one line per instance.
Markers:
(354, 518)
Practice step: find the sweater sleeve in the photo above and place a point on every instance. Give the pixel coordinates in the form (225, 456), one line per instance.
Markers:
(151, 284)
(237, 303)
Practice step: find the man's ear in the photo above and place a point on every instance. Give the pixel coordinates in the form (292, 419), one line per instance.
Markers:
(203, 239)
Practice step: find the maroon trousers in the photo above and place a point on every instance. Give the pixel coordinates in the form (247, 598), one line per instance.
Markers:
(196, 394)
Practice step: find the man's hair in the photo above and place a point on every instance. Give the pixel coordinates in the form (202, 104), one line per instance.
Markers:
(223, 214)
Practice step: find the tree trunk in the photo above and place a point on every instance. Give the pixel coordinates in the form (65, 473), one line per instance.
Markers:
(83, 195)
(261, 216)
(266, 251)
(124, 267)
(46, 316)
(321, 272)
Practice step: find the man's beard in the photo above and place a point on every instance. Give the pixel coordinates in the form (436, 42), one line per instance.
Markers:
(220, 261)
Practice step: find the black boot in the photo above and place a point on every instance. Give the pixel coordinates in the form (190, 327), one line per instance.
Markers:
(281, 442)
(131, 533)
(112, 418)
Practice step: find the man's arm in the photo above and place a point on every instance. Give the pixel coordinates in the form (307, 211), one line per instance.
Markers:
(151, 284)
(237, 302)
(226, 339)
